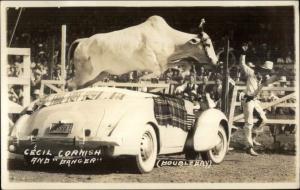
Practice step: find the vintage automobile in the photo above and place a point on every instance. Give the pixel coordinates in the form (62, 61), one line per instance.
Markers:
(121, 122)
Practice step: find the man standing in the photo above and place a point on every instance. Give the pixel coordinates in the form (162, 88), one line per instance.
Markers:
(251, 106)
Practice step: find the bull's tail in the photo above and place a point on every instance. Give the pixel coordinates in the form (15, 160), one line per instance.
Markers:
(70, 54)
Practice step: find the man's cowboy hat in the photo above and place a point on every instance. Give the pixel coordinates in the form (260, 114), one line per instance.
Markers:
(268, 65)
(282, 79)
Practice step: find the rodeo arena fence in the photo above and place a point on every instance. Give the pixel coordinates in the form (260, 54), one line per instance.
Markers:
(22, 80)
(232, 100)
(285, 101)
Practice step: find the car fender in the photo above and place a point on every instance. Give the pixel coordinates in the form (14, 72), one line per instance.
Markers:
(206, 130)
(20, 129)
(129, 131)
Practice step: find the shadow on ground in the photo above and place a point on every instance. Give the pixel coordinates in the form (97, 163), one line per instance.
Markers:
(283, 143)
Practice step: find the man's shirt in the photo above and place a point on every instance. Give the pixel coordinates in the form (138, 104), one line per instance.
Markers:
(252, 82)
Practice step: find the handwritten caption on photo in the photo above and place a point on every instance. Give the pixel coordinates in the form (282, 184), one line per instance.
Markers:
(84, 157)
(182, 162)
(64, 157)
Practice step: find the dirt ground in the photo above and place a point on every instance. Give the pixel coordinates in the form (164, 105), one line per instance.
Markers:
(270, 166)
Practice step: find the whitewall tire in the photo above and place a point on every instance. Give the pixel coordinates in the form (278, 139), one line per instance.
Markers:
(146, 158)
(217, 153)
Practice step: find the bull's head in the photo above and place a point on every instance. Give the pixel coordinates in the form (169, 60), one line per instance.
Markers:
(200, 48)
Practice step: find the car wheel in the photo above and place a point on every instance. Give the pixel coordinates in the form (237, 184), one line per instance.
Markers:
(146, 158)
(217, 153)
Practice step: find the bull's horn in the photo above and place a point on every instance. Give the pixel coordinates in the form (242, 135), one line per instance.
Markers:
(202, 22)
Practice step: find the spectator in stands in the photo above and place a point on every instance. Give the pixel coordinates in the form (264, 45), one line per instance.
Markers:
(130, 77)
(205, 102)
(277, 56)
(179, 90)
(280, 60)
(36, 81)
(19, 91)
(144, 88)
(168, 74)
(106, 79)
(58, 74)
(216, 92)
(219, 70)
(19, 65)
(203, 86)
(187, 87)
(36, 95)
(191, 84)
(282, 83)
(13, 96)
(266, 95)
(176, 76)
(12, 71)
(195, 100)
(172, 85)
(202, 73)
(289, 59)
(210, 76)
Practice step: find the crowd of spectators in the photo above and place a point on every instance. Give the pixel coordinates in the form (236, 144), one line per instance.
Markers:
(44, 63)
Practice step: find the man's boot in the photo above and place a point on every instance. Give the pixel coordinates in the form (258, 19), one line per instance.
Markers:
(254, 140)
(252, 152)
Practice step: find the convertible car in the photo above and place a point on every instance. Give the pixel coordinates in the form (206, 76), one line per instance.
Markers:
(120, 123)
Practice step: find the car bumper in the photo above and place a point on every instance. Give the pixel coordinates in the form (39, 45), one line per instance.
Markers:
(55, 145)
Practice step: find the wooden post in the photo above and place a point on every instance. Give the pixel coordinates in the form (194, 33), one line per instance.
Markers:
(232, 105)
(23, 80)
(27, 74)
(225, 85)
(63, 52)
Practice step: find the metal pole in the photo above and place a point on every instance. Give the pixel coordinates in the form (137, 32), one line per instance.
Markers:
(225, 84)
(15, 28)
(63, 52)
(51, 65)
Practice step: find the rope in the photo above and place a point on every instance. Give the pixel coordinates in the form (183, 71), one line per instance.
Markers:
(12, 36)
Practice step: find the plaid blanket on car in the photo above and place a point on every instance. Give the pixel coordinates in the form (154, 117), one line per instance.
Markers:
(171, 111)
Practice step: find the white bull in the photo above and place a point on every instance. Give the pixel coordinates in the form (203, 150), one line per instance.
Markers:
(152, 46)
